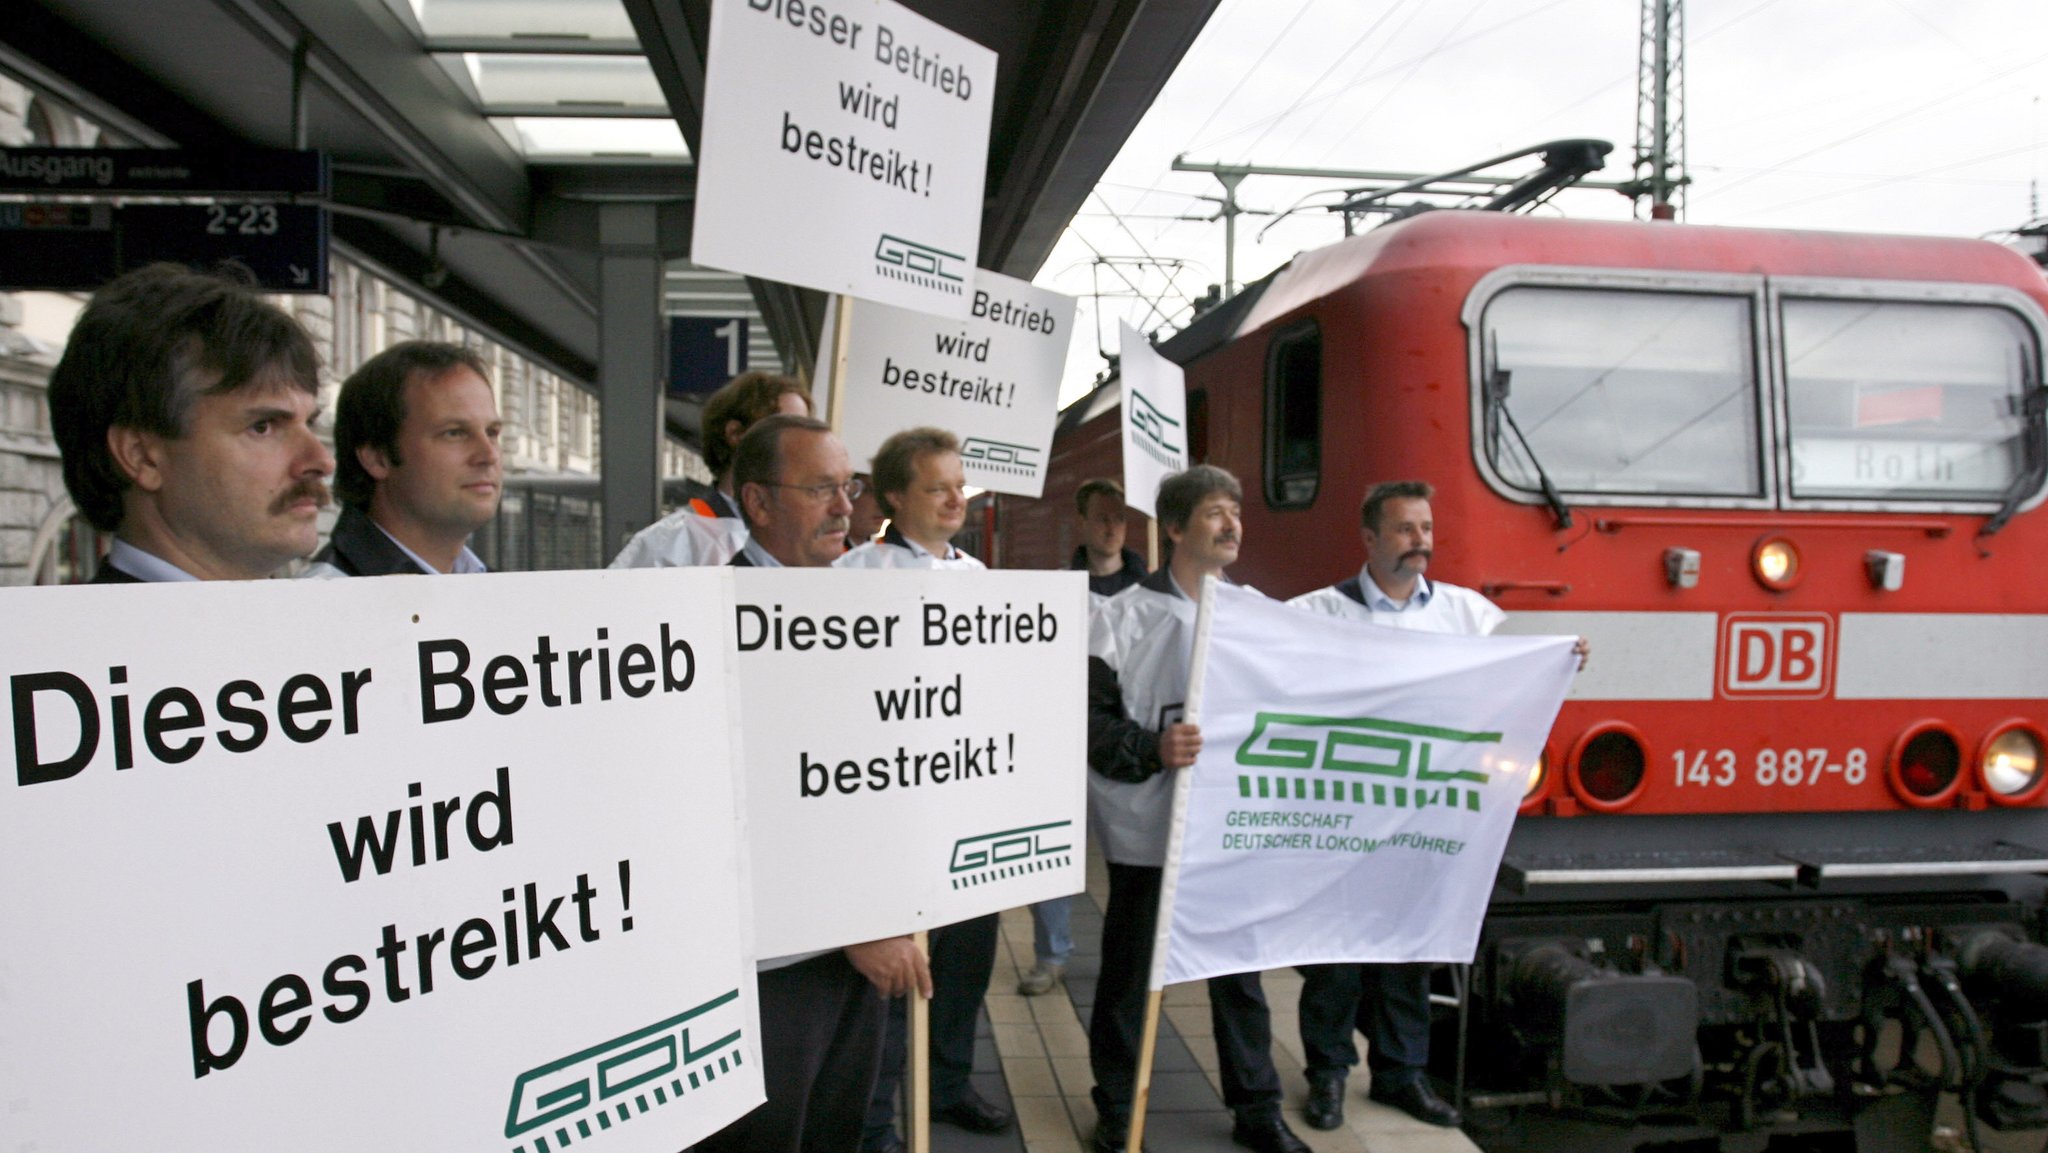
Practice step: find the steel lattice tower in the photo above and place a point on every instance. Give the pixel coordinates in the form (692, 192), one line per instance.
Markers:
(1660, 177)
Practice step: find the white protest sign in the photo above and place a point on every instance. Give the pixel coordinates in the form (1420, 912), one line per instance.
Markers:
(1355, 788)
(845, 148)
(1155, 418)
(440, 863)
(916, 747)
(993, 380)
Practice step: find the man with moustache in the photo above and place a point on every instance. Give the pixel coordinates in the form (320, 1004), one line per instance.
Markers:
(922, 488)
(416, 439)
(821, 1013)
(709, 528)
(184, 408)
(1389, 1003)
(1139, 645)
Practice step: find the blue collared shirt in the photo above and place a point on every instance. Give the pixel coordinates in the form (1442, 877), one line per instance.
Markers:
(1378, 601)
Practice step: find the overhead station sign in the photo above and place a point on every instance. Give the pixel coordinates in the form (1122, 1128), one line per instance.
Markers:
(81, 242)
(164, 171)
(844, 148)
(992, 379)
(404, 864)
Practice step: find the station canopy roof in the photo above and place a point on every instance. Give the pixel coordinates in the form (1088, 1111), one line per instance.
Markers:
(473, 142)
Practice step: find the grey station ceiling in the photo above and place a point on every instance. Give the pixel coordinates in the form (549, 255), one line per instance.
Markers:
(473, 141)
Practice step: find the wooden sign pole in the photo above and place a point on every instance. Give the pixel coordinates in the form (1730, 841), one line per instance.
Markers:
(919, 1122)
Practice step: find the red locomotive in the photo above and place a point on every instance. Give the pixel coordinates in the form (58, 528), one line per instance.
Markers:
(1792, 824)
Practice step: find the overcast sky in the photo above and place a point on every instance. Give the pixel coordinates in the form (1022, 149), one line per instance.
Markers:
(1873, 115)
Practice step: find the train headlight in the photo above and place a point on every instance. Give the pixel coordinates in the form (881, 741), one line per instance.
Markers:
(1606, 768)
(2009, 764)
(1539, 776)
(1926, 765)
(1775, 560)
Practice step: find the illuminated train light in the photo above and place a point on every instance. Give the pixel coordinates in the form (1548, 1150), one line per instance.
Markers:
(2010, 764)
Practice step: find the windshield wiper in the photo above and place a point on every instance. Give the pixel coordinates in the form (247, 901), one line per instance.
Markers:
(1496, 393)
(2031, 406)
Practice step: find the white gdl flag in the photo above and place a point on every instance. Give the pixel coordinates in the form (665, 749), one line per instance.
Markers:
(1355, 788)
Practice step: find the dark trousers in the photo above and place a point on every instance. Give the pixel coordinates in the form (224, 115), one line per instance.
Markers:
(821, 1039)
(963, 957)
(1237, 1008)
(1388, 1003)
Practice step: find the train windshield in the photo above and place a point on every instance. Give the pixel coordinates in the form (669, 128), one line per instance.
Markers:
(1904, 400)
(1626, 392)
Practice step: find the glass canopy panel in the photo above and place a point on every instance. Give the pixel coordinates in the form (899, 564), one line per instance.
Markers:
(593, 138)
(602, 85)
(514, 19)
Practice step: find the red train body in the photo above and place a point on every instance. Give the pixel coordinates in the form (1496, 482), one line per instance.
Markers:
(1814, 710)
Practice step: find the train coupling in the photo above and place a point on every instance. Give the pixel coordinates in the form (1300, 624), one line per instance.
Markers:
(1609, 1027)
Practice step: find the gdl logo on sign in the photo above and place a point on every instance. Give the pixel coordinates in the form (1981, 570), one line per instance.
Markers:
(1783, 655)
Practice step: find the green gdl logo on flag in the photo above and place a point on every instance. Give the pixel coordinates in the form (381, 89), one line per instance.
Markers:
(987, 857)
(1367, 755)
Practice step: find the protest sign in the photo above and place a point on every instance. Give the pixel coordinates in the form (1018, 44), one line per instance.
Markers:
(1355, 788)
(915, 747)
(436, 863)
(993, 379)
(1155, 420)
(845, 148)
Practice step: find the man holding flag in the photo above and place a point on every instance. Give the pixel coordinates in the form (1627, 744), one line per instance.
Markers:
(1389, 1003)
(1139, 651)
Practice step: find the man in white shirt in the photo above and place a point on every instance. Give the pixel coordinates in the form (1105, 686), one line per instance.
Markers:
(1139, 645)
(821, 1013)
(418, 470)
(184, 407)
(922, 488)
(709, 528)
(1388, 1003)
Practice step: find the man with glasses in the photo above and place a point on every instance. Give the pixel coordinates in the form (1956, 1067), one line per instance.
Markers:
(922, 488)
(709, 528)
(821, 1013)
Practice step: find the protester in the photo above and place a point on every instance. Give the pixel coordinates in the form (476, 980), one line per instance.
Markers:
(867, 518)
(183, 407)
(418, 470)
(1111, 569)
(1139, 649)
(821, 1013)
(921, 487)
(709, 528)
(1389, 1003)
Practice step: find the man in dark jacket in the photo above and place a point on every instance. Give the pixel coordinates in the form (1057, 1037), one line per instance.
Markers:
(416, 440)
(183, 407)
(1112, 568)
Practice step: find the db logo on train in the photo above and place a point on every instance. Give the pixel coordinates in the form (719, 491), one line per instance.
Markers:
(1781, 655)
